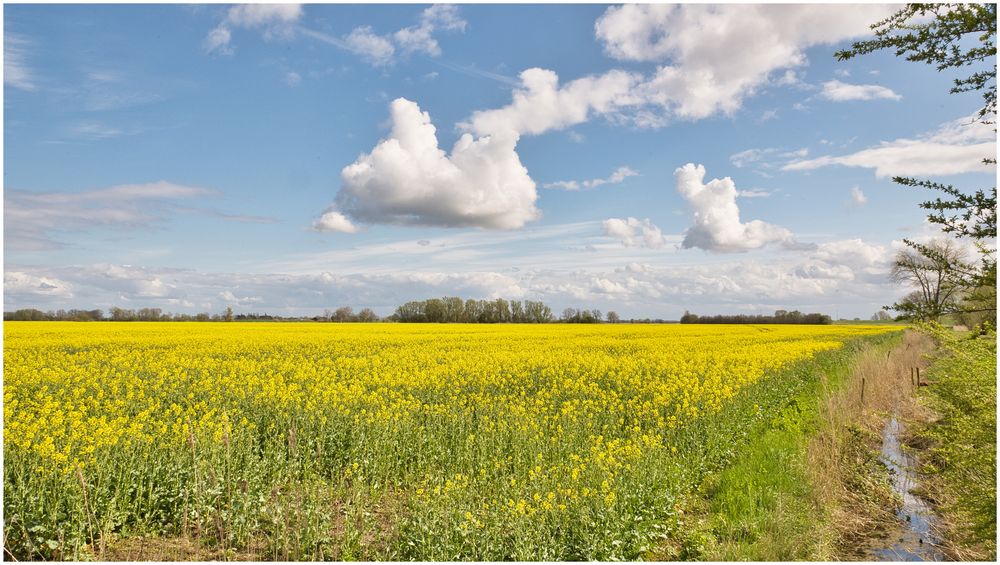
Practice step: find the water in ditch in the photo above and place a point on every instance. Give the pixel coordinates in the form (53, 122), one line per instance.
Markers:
(915, 540)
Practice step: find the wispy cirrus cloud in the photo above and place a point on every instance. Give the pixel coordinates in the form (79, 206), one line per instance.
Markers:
(16, 71)
(617, 177)
(956, 147)
(35, 220)
(841, 92)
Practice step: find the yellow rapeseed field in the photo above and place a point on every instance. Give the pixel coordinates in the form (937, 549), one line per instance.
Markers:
(374, 440)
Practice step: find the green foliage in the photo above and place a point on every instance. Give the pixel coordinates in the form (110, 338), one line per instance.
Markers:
(760, 506)
(965, 436)
(942, 40)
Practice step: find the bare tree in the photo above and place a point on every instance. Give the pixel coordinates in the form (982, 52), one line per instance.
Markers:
(343, 314)
(367, 315)
(935, 273)
(881, 316)
(613, 317)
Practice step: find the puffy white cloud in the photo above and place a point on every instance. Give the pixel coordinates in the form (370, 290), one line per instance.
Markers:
(134, 282)
(718, 54)
(16, 72)
(841, 92)
(370, 46)
(854, 253)
(858, 197)
(420, 38)
(717, 225)
(540, 104)
(617, 177)
(408, 179)
(228, 297)
(21, 285)
(633, 232)
(263, 15)
(333, 221)
(380, 50)
(273, 19)
(955, 147)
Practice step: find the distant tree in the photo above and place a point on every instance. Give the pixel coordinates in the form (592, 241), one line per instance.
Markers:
(454, 309)
(343, 314)
(537, 312)
(881, 316)
(613, 317)
(569, 314)
(149, 314)
(412, 311)
(26, 315)
(793, 317)
(367, 315)
(227, 316)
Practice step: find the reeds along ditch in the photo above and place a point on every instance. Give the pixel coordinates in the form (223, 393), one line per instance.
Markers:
(849, 478)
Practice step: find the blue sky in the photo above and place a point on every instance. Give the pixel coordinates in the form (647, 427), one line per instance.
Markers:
(290, 159)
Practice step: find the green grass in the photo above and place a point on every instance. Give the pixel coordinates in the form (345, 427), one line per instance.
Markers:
(764, 505)
(964, 438)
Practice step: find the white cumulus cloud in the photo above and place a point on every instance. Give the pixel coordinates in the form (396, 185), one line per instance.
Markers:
(370, 46)
(334, 221)
(715, 55)
(420, 38)
(273, 19)
(634, 232)
(540, 104)
(21, 285)
(408, 179)
(717, 225)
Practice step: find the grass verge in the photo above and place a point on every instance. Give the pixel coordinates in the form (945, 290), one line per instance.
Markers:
(809, 484)
(956, 435)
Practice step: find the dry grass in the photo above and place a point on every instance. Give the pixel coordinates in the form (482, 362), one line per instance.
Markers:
(843, 457)
(173, 549)
(355, 529)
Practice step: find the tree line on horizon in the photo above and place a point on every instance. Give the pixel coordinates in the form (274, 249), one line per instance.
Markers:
(779, 317)
(448, 309)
